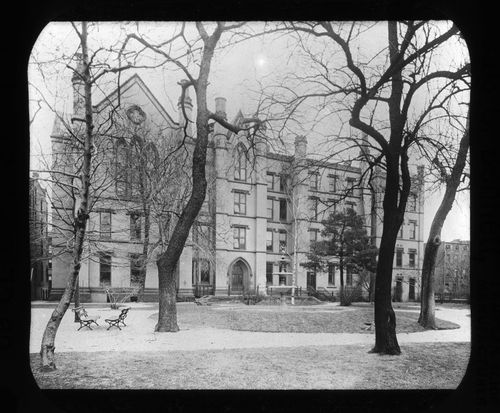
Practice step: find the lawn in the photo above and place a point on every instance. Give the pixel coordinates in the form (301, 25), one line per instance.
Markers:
(311, 319)
(420, 366)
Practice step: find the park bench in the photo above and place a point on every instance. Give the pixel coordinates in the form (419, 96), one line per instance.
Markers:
(84, 319)
(368, 325)
(203, 300)
(115, 322)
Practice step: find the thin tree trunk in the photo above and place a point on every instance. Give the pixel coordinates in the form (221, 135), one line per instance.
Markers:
(341, 268)
(77, 300)
(48, 340)
(427, 299)
(144, 257)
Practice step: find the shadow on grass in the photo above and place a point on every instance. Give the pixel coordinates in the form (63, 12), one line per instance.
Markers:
(420, 366)
(352, 319)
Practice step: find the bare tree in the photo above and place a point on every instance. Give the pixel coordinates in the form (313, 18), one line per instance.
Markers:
(80, 169)
(167, 260)
(81, 213)
(452, 180)
(393, 96)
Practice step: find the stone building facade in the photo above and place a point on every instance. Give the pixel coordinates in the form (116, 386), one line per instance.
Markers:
(261, 212)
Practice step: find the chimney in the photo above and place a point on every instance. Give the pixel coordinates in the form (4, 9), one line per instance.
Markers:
(220, 107)
(220, 131)
(78, 87)
(300, 147)
(188, 108)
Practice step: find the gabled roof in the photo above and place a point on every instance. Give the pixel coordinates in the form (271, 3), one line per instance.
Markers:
(132, 81)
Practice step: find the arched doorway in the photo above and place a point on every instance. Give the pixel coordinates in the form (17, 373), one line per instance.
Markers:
(239, 276)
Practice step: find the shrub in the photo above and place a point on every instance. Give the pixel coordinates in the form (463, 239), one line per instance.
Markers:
(348, 295)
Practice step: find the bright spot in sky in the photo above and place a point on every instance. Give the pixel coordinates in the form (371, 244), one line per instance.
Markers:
(260, 61)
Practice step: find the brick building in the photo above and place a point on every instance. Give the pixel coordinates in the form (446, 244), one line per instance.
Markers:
(40, 271)
(261, 212)
(452, 272)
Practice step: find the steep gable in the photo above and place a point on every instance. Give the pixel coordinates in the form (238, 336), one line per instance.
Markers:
(135, 92)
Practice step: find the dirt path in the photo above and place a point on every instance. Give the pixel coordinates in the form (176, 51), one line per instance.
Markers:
(139, 335)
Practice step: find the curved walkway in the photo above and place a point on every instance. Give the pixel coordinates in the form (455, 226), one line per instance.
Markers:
(139, 335)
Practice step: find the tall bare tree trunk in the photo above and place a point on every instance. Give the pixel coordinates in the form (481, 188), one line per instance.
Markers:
(427, 299)
(385, 320)
(48, 341)
(341, 268)
(167, 261)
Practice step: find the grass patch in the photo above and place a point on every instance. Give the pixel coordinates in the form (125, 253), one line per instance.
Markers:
(288, 319)
(420, 366)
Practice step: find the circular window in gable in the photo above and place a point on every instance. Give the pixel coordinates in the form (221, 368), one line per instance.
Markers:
(136, 114)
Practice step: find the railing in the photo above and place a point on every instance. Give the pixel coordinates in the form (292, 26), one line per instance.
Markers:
(242, 291)
(321, 294)
(200, 290)
(44, 293)
(450, 297)
(270, 290)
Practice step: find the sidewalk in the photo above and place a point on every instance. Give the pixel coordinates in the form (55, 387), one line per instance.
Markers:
(139, 334)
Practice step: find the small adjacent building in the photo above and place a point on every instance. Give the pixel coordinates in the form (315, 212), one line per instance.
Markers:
(452, 271)
(40, 273)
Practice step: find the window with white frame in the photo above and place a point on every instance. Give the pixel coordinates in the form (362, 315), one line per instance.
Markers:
(332, 183)
(269, 240)
(240, 203)
(105, 269)
(270, 209)
(269, 273)
(283, 208)
(412, 253)
(331, 274)
(270, 181)
(135, 226)
(314, 180)
(240, 170)
(105, 224)
(399, 257)
(313, 238)
(240, 237)
(282, 241)
(413, 229)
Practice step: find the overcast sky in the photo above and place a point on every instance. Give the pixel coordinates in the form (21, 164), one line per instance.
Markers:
(237, 72)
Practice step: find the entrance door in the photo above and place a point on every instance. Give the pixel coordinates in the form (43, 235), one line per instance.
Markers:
(237, 277)
(411, 292)
(398, 291)
(311, 279)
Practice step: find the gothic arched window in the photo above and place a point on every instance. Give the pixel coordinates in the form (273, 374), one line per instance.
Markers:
(135, 161)
(121, 167)
(240, 169)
